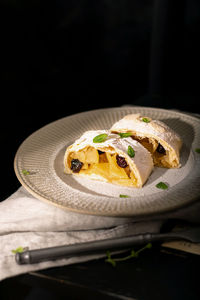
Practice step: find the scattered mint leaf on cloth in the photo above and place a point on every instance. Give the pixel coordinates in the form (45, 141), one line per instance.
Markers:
(123, 196)
(100, 138)
(18, 250)
(162, 185)
(130, 151)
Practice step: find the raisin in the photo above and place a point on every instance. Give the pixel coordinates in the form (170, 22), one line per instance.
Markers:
(100, 152)
(160, 149)
(76, 165)
(121, 161)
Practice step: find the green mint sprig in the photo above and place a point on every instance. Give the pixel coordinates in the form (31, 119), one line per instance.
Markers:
(133, 254)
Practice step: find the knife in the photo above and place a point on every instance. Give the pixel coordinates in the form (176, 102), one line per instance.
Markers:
(101, 246)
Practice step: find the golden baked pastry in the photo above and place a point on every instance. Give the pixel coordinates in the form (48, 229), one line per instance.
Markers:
(161, 141)
(102, 155)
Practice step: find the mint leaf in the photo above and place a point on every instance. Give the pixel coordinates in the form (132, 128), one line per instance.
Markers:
(133, 254)
(110, 260)
(162, 185)
(125, 134)
(18, 250)
(123, 196)
(100, 138)
(130, 151)
(146, 120)
(149, 245)
(25, 172)
(197, 150)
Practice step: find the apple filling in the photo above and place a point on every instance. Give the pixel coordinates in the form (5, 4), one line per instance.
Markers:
(109, 165)
(159, 153)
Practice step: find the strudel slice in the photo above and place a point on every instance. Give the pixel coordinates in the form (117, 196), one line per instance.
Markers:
(104, 156)
(162, 142)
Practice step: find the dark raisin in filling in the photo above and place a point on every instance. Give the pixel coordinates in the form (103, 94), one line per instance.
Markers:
(100, 152)
(76, 165)
(121, 161)
(160, 149)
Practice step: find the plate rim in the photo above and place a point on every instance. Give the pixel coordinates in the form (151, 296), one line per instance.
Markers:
(37, 194)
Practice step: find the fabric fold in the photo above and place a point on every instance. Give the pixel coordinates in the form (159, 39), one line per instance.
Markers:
(30, 223)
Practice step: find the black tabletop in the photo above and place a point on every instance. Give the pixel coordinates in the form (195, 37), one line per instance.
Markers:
(158, 273)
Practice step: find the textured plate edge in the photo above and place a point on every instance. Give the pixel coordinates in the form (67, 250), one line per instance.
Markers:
(108, 213)
(105, 214)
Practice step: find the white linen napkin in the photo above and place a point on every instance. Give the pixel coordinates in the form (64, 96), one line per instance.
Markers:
(28, 222)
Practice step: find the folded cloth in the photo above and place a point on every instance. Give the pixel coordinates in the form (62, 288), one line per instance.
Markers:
(28, 222)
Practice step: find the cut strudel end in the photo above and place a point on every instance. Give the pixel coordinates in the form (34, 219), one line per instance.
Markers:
(104, 156)
(162, 142)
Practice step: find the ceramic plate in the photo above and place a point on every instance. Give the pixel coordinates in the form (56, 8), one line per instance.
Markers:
(41, 154)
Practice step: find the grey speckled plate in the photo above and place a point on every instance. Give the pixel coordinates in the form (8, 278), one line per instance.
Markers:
(42, 155)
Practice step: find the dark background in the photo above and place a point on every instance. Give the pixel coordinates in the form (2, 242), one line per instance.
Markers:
(67, 56)
(63, 57)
